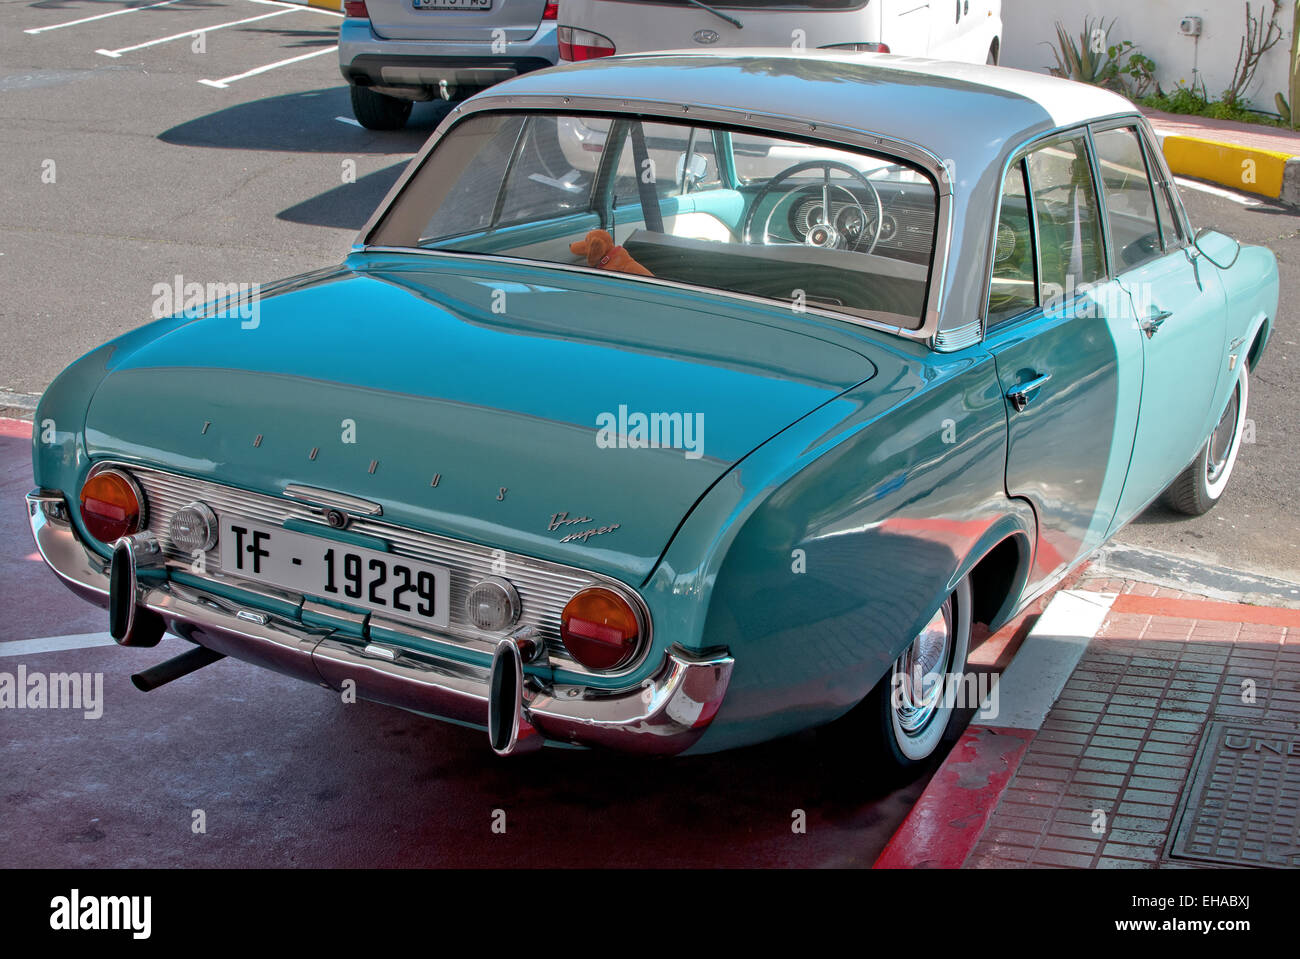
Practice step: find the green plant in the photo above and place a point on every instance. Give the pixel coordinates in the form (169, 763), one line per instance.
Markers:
(1260, 37)
(1283, 108)
(1092, 59)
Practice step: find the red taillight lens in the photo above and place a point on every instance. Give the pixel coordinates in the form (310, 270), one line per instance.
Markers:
(583, 44)
(356, 8)
(600, 628)
(111, 506)
(551, 12)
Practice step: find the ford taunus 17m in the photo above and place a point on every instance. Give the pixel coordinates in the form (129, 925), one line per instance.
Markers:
(940, 329)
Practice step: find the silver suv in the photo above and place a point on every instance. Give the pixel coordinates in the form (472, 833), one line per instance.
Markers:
(394, 52)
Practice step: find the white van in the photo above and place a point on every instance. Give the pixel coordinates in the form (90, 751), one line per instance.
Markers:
(963, 30)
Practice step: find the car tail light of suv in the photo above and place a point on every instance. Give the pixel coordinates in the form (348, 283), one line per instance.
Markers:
(578, 44)
(356, 8)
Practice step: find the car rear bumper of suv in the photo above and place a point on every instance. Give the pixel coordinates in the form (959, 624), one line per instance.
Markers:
(426, 69)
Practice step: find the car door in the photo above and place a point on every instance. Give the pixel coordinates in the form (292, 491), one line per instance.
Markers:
(1180, 309)
(905, 26)
(1068, 353)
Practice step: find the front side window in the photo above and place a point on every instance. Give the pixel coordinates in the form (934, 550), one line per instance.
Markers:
(1014, 287)
(811, 224)
(1068, 218)
(1130, 203)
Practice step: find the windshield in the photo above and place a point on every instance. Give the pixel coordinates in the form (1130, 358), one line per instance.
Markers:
(805, 223)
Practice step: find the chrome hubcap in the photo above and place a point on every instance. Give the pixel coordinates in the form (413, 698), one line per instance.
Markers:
(918, 694)
(1221, 439)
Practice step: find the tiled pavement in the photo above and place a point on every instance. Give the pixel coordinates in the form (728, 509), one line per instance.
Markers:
(1101, 783)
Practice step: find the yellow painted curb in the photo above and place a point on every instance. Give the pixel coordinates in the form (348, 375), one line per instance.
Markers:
(1242, 168)
(335, 5)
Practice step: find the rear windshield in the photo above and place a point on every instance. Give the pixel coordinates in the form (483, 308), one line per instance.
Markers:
(810, 224)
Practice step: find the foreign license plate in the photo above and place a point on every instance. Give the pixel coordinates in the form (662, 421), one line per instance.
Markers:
(452, 4)
(395, 586)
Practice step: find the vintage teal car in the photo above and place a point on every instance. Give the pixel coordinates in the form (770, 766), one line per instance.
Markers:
(876, 349)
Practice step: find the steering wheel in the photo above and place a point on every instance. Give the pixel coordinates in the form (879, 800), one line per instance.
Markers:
(823, 234)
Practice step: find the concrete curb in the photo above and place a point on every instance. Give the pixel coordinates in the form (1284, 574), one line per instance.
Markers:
(1267, 173)
(953, 811)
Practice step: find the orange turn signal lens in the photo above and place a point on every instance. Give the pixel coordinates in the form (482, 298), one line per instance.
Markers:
(600, 628)
(111, 506)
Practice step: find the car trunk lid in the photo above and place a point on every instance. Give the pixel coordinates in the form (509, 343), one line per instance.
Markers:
(478, 407)
(465, 20)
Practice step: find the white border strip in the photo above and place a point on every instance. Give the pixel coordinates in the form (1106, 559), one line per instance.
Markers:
(1047, 658)
(54, 644)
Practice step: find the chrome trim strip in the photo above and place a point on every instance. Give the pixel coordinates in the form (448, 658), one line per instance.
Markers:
(330, 499)
(745, 119)
(662, 716)
(949, 341)
(544, 587)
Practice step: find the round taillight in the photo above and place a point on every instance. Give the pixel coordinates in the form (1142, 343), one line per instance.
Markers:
(600, 628)
(111, 506)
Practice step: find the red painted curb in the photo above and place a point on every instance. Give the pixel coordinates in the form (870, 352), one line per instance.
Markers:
(12, 427)
(947, 821)
(1206, 609)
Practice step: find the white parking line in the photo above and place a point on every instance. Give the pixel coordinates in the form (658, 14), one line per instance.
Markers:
(99, 16)
(192, 33)
(349, 120)
(227, 81)
(1215, 191)
(54, 644)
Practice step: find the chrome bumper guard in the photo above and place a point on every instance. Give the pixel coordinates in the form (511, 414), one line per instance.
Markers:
(663, 716)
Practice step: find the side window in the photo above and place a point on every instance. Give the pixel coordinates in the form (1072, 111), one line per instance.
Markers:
(1130, 203)
(673, 173)
(1013, 288)
(1069, 223)
(541, 181)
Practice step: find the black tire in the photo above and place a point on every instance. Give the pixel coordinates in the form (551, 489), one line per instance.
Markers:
(873, 732)
(1198, 489)
(992, 60)
(375, 111)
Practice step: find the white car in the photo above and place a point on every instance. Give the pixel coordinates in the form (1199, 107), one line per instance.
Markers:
(962, 30)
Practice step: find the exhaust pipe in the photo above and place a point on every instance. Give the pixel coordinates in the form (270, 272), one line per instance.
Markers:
(175, 668)
(509, 731)
(129, 623)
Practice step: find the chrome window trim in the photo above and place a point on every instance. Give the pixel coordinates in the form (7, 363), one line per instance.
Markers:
(1015, 156)
(1155, 179)
(464, 555)
(909, 152)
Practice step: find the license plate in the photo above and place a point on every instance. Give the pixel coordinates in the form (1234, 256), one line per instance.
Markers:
(395, 586)
(452, 4)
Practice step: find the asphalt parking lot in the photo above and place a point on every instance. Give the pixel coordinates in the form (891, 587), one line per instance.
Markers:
(132, 154)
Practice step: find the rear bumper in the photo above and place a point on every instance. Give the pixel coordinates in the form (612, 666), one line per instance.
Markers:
(662, 716)
(421, 66)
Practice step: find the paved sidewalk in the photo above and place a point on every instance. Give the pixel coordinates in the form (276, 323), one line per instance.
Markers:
(1244, 156)
(1175, 742)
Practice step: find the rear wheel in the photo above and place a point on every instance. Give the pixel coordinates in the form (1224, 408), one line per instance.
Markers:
(993, 55)
(903, 721)
(1199, 488)
(375, 111)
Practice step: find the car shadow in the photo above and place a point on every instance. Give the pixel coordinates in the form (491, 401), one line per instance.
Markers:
(303, 122)
(348, 205)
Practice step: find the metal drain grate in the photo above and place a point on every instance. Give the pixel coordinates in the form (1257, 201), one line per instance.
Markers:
(1242, 806)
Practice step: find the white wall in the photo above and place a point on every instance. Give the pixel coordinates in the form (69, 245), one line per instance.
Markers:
(1153, 26)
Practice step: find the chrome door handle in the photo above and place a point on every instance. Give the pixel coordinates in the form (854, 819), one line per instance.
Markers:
(1022, 394)
(1151, 325)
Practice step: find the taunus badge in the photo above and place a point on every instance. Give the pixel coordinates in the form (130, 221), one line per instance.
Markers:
(706, 36)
